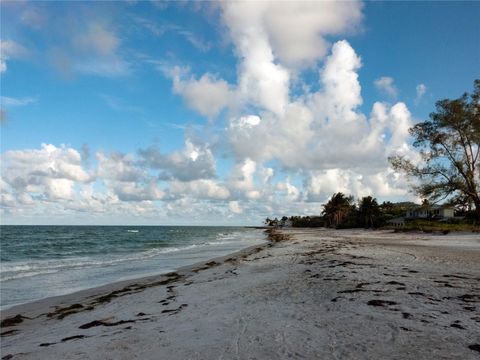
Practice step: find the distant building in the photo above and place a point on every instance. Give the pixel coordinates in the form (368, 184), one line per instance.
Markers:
(430, 212)
(434, 212)
(397, 222)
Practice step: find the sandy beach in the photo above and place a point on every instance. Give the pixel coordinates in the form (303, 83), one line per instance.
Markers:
(321, 294)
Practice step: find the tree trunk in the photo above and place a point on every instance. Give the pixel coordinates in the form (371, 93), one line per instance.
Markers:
(477, 209)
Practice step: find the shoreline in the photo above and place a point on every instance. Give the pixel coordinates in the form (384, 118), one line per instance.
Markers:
(136, 278)
(330, 294)
(85, 294)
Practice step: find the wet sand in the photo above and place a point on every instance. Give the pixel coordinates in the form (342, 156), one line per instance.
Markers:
(328, 294)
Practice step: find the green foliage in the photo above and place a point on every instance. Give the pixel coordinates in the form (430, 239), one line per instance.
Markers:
(341, 212)
(307, 221)
(369, 214)
(271, 222)
(368, 211)
(430, 226)
(389, 210)
(336, 210)
(449, 144)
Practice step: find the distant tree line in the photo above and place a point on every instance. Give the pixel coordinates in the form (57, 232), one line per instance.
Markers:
(341, 211)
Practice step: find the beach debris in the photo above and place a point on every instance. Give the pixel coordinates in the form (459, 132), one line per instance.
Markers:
(406, 315)
(104, 323)
(378, 302)
(344, 263)
(60, 313)
(395, 283)
(73, 337)
(9, 332)
(469, 297)
(174, 311)
(275, 236)
(12, 321)
(108, 297)
(350, 291)
(457, 276)
(474, 347)
(169, 311)
(207, 265)
(361, 285)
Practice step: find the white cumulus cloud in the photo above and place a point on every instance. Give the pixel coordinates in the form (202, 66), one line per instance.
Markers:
(386, 85)
(421, 89)
(207, 95)
(10, 49)
(195, 161)
(200, 189)
(290, 150)
(234, 207)
(295, 31)
(49, 172)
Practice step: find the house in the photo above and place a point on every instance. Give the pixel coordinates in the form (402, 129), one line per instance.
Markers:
(430, 212)
(434, 212)
(397, 222)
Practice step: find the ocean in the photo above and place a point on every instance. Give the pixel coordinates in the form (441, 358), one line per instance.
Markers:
(43, 261)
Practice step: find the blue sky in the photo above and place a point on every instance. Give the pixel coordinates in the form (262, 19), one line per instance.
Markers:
(205, 113)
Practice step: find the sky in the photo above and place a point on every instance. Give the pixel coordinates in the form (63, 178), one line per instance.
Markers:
(218, 113)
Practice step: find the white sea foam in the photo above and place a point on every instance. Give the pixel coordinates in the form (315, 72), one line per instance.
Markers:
(25, 274)
(218, 242)
(16, 270)
(22, 269)
(29, 279)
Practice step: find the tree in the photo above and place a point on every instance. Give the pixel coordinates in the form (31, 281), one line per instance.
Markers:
(337, 208)
(369, 211)
(449, 145)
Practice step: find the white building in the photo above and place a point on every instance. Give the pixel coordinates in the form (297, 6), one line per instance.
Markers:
(430, 212)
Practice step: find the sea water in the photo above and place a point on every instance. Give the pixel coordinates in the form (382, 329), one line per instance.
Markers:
(42, 261)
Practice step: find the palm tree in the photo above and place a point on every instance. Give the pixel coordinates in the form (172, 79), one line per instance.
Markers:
(337, 208)
(369, 210)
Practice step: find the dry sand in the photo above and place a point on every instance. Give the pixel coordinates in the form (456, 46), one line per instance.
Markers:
(323, 294)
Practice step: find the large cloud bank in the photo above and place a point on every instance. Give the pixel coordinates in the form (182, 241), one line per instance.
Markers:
(290, 149)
